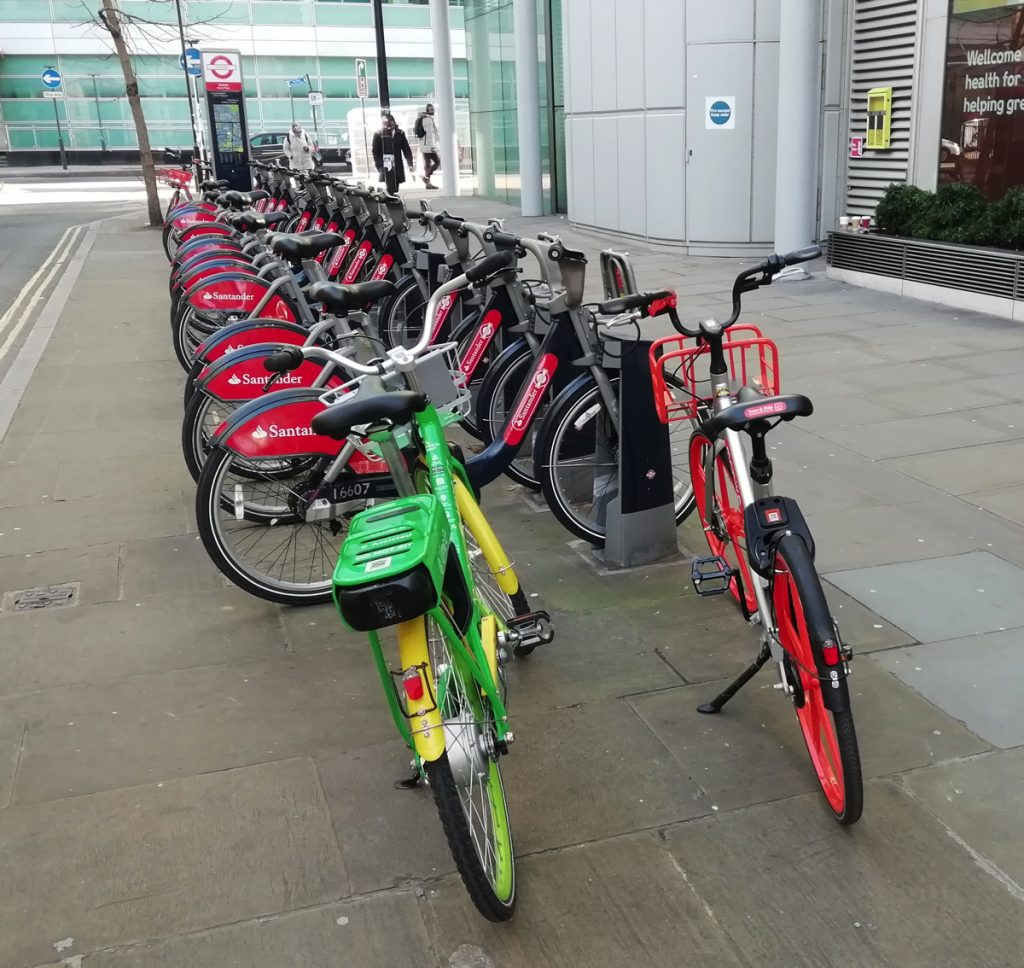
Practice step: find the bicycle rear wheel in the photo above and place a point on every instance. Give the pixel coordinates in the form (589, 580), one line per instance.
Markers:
(804, 622)
(466, 783)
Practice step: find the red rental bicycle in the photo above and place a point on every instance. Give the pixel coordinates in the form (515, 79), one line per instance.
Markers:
(762, 552)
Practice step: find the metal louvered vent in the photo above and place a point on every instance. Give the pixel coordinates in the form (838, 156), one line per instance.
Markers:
(989, 271)
(884, 34)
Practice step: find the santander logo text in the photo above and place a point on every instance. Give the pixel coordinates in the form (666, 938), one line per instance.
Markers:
(247, 379)
(357, 263)
(531, 399)
(481, 341)
(274, 431)
(209, 295)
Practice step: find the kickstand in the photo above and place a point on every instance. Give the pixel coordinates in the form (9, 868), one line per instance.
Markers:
(716, 704)
(409, 782)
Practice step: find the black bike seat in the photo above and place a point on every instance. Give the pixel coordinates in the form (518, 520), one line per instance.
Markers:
(396, 407)
(339, 298)
(209, 185)
(741, 416)
(295, 248)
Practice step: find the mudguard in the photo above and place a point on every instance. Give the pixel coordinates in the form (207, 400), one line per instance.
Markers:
(186, 217)
(240, 375)
(250, 332)
(198, 246)
(233, 292)
(207, 268)
(209, 228)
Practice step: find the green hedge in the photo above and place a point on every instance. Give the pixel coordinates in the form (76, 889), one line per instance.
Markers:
(954, 213)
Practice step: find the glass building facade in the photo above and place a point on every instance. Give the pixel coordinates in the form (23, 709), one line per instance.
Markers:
(490, 50)
(318, 38)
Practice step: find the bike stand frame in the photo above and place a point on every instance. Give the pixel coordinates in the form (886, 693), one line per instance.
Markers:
(640, 521)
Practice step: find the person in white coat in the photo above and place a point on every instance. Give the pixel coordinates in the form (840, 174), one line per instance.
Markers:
(299, 149)
(429, 143)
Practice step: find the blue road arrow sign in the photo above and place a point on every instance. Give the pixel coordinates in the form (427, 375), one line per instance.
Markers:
(191, 61)
(51, 79)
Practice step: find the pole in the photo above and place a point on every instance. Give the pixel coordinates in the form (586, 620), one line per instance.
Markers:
(383, 93)
(366, 143)
(188, 91)
(60, 137)
(291, 101)
(312, 109)
(444, 91)
(99, 120)
(531, 198)
(796, 172)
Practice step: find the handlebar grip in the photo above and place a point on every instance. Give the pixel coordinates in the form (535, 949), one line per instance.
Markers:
(284, 360)
(801, 255)
(450, 222)
(490, 265)
(504, 240)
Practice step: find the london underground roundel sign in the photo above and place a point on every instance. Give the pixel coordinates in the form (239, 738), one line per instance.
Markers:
(222, 70)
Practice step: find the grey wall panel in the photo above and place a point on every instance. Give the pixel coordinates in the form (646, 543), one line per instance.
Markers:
(765, 142)
(632, 175)
(766, 18)
(664, 56)
(718, 179)
(834, 25)
(581, 174)
(606, 171)
(579, 96)
(603, 52)
(718, 21)
(833, 149)
(629, 54)
(929, 72)
(664, 160)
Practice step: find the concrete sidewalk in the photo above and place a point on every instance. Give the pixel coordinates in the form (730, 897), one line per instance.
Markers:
(190, 777)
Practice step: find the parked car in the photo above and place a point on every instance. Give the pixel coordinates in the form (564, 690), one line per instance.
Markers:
(269, 146)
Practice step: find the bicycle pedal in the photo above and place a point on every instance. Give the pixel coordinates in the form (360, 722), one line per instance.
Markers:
(710, 576)
(529, 630)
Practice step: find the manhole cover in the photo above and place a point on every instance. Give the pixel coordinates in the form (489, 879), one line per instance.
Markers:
(42, 596)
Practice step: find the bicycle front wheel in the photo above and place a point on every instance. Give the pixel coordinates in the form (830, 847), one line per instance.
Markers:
(804, 622)
(576, 459)
(466, 783)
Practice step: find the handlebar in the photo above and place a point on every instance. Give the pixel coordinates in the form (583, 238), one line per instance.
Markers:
(488, 266)
(749, 280)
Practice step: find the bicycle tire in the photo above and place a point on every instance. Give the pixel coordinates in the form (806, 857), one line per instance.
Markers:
(577, 407)
(498, 392)
(391, 330)
(804, 622)
(465, 719)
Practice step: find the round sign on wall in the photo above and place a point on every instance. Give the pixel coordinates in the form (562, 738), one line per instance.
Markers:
(720, 113)
(51, 78)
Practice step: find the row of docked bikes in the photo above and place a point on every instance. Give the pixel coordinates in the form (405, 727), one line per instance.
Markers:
(337, 344)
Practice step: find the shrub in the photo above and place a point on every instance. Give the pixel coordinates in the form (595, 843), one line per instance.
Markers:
(956, 214)
(900, 206)
(1006, 221)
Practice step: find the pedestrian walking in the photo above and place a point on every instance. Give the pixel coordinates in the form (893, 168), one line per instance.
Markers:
(426, 131)
(299, 149)
(390, 145)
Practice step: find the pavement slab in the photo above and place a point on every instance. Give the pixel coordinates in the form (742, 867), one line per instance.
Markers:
(977, 680)
(150, 862)
(790, 888)
(579, 907)
(753, 751)
(96, 568)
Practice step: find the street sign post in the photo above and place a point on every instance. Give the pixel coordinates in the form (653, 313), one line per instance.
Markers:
(316, 99)
(52, 89)
(191, 60)
(363, 91)
(293, 83)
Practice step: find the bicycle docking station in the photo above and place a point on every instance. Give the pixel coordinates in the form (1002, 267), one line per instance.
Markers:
(640, 520)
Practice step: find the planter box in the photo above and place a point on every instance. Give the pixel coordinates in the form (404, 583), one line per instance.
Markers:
(961, 276)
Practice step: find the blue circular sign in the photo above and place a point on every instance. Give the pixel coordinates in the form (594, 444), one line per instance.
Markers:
(51, 78)
(191, 61)
(720, 112)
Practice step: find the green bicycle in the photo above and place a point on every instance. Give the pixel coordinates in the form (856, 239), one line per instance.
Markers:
(427, 569)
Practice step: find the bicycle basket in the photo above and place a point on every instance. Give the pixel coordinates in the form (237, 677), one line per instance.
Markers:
(680, 369)
(179, 177)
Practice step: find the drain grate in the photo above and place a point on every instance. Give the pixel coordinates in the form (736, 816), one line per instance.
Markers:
(42, 596)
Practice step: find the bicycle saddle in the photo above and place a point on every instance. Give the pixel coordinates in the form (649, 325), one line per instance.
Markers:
(396, 407)
(295, 248)
(240, 200)
(250, 221)
(746, 413)
(209, 185)
(339, 299)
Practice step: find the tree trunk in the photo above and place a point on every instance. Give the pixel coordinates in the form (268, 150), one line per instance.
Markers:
(112, 21)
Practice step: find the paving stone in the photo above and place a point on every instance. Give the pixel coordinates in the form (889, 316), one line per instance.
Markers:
(981, 800)
(12, 734)
(942, 598)
(122, 476)
(977, 680)
(964, 470)
(841, 359)
(753, 750)
(91, 521)
(172, 724)
(903, 375)
(578, 907)
(799, 446)
(861, 628)
(44, 649)
(790, 887)
(588, 772)
(27, 482)
(831, 410)
(165, 859)
(1007, 503)
(945, 396)
(916, 435)
(385, 930)
(140, 442)
(176, 565)
(95, 567)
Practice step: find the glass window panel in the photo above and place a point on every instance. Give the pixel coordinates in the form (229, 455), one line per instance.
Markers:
(346, 14)
(26, 10)
(225, 12)
(279, 12)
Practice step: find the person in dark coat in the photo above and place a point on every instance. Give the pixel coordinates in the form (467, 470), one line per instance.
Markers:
(390, 145)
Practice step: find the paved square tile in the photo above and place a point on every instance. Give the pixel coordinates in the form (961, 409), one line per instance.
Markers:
(165, 858)
(977, 680)
(941, 598)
